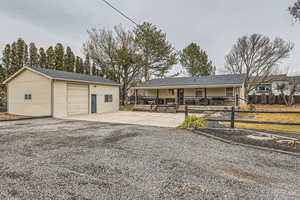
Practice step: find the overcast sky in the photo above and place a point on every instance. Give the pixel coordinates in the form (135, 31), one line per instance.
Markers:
(214, 25)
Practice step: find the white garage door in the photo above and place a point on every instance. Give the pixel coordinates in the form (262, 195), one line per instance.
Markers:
(78, 99)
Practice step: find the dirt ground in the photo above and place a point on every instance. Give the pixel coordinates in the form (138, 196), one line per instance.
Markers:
(65, 159)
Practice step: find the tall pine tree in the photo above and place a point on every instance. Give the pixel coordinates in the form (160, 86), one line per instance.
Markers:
(87, 65)
(6, 58)
(50, 58)
(42, 58)
(79, 65)
(196, 62)
(21, 53)
(33, 55)
(94, 69)
(69, 60)
(14, 67)
(59, 56)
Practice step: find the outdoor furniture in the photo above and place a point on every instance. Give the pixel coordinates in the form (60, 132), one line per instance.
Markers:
(217, 101)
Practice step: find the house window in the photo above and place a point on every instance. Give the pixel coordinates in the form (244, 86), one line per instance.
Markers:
(199, 92)
(108, 98)
(229, 92)
(263, 88)
(170, 92)
(27, 97)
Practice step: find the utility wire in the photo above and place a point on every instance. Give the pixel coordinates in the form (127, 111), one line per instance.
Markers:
(127, 17)
(120, 12)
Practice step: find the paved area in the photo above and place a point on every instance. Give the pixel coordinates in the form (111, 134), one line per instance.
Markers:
(65, 159)
(138, 118)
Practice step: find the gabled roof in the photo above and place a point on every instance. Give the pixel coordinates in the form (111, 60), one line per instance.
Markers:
(66, 76)
(215, 80)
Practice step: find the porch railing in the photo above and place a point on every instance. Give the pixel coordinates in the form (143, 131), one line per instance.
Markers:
(187, 100)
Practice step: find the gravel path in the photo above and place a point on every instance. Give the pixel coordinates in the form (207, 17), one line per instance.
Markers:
(60, 159)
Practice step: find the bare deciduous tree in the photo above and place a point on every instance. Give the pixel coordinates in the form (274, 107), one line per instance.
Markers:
(295, 10)
(256, 56)
(288, 89)
(116, 55)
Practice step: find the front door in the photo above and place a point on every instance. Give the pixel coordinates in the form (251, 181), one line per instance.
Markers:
(94, 103)
(180, 96)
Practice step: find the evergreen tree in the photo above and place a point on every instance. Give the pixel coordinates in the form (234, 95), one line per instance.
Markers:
(26, 54)
(158, 55)
(59, 56)
(21, 53)
(14, 67)
(87, 65)
(196, 62)
(69, 60)
(2, 74)
(50, 58)
(79, 65)
(33, 55)
(94, 69)
(42, 58)
(6, 58)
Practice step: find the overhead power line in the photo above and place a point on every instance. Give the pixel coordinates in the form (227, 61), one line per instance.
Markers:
(120, 12)
(127, 17)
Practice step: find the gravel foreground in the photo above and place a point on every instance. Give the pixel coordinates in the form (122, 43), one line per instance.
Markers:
(60, 159)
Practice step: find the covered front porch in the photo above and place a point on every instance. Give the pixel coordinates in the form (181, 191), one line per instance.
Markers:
(209, 96)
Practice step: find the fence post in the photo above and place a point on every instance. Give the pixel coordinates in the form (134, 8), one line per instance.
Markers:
(186, 112)
(232, 117)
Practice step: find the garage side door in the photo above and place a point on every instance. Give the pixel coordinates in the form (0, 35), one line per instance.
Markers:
(78, 99)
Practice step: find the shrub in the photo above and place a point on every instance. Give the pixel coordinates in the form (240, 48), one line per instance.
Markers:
(193, 121)
(251, 107)
(243, 107)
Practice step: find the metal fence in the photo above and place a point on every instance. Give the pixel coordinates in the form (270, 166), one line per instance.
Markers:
(233, 119)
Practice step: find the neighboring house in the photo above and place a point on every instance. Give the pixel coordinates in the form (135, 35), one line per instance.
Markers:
(270, 86)
(36, 91)
(206, 90)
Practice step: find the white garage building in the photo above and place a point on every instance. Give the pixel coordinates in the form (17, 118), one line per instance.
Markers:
(34, 91)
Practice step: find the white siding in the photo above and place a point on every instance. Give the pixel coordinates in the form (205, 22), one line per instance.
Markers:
(59, 99)
(100, 91)
(29, 83)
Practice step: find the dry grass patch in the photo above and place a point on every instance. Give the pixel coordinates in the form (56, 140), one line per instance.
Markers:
(293, 118)
(126, 108)
(9, 116)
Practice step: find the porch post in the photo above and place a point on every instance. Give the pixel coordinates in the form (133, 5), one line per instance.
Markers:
(235, 96)
(157, 96)
(205, 93)
(135, 96)
(237, 100)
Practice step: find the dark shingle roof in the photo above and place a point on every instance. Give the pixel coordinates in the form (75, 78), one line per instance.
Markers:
(230, 79)
(62, 75)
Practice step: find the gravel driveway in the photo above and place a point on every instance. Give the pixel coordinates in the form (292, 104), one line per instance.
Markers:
(61, 159)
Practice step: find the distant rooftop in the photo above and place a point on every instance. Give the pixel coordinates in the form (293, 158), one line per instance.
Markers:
(215, 80)
(62, 75)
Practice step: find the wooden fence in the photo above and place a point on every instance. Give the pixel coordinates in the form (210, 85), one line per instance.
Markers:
(233, 120)
(270, 99)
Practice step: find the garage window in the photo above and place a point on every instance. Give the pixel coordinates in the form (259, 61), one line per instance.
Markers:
(108, 98)
(27, 96)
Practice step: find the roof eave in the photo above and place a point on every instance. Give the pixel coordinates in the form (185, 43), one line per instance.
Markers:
(82, 81)
(189, 86)
(21, 70)
(53, 78)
